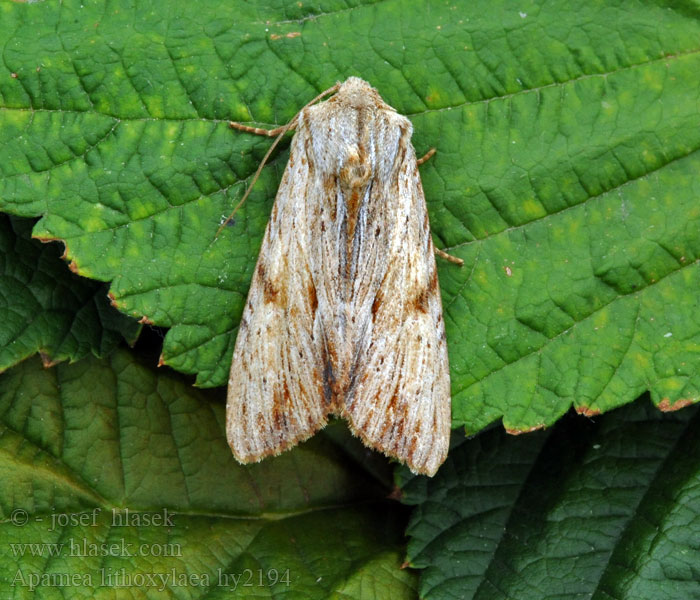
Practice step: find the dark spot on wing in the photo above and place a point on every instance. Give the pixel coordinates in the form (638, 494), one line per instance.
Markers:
(376, 305)
(270, 292)
(313, 299)
(433, 285)
(420, 302)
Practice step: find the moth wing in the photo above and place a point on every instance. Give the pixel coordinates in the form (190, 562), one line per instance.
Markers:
(276, 397)
(400, 399)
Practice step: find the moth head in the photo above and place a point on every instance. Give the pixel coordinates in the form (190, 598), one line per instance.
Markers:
(358, 93)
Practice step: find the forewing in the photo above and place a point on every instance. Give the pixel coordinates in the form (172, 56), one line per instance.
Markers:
(399, 401)
(276, 395)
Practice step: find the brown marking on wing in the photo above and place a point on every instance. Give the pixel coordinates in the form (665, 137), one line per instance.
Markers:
(279, 407)
(354, 177)
(313, 299)
(433, 284)
(271, 292)
(400, 423)
(370, 417)
(378, 299)
(391, 409)
(331, 196)
(329, 183)
(422, 299)
(329, 376)
(411, 449)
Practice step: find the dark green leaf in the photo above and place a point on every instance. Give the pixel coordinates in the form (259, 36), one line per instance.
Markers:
(46, 308)
(601, 510)
(80, 444)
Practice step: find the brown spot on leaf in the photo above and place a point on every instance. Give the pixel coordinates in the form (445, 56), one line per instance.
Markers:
(396, 494)
(291, 35)
(587, 411)
(45, 239)
(666, 406)
(145, 320)
(46, 361)
(515, 431)
(113, 300)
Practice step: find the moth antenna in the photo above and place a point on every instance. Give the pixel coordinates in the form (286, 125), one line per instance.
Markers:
(284, 129)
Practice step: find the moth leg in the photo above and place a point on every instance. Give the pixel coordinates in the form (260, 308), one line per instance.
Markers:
(441, 253)
(449, 257)
(258, 131)
(427, 156)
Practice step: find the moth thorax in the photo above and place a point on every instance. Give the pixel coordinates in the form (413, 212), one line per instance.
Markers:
(356, 171)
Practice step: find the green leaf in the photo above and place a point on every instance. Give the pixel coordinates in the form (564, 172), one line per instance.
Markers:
(80, 444)
(604, 509)
(46, 308)
(566, 173)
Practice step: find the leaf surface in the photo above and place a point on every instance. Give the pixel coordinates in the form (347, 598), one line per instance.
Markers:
(47, 309)
(589, 509)
(119, 477)
(566, 173)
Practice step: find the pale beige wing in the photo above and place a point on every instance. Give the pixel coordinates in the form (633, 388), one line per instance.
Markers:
(276, 395)
(399, 398)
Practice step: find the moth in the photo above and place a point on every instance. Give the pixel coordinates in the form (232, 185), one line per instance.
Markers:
(344, 315)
